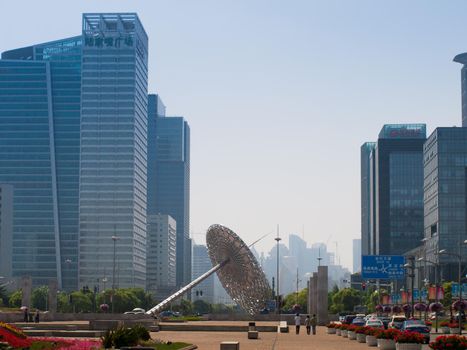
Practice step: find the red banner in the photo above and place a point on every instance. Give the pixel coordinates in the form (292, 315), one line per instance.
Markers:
(404, 297)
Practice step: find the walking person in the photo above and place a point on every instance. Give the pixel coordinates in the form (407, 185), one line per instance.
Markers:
(36, 316)
(308, 324)
(297, 323)
(25, 314)
(313, 324)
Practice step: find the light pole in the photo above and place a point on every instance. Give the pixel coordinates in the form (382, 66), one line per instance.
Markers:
(459, 278)
(436, 265)
(114, 239)
(277, 239)
(411, 266)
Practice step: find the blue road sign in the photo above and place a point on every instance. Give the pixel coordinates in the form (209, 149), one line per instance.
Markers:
(416, 294)
(383, 266)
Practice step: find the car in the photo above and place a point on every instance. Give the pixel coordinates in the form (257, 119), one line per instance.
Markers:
(358, 321)
(138, 310)
(166, 313)
(397, 322)
(349, 318)
(341, 318)
(385, 321)
(456, 317)
(374, 323)
(418, 328)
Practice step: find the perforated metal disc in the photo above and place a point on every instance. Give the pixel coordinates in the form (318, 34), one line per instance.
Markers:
(242, 277)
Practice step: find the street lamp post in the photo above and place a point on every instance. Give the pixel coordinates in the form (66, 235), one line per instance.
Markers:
(436, 265)
(411, 266)
(277, 239)
(459, 278)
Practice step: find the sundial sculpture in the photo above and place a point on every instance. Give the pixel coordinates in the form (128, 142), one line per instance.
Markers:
(237, 269)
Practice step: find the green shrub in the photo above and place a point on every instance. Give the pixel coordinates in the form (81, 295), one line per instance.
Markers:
(142, 332)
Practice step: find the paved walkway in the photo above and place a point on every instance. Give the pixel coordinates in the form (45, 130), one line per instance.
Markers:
(267, 341)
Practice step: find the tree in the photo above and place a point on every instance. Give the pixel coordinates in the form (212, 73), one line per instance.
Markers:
(39, 297)
(16, 298)
(291, 299)
(447, 301)
(345, 300)
(202, 307)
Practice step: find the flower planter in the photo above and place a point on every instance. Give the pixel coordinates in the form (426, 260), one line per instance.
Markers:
(371, 340)
(338, 331)
(454, 330)
(361, 337)
(331, 331)
(351, 335)
(344, 333)
(444, 330)
(386, 344)
(408, 346)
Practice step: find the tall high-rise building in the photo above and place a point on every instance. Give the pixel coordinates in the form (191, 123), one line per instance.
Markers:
(445, 183)
(160, 260)
(73, 128)
(398, 188)
(462, 58)
(357, 255)
(113, 156)
(39, 151)
(169, 178)
(367, 166)
(201, 264)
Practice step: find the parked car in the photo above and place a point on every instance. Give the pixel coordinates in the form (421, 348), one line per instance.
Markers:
(358, 321)
(166, 313)
(385, 321)
(418, 328)
(397, 322)
(349, 318)
(375, 323)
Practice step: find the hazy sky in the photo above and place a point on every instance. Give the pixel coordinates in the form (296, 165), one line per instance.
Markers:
(280, 95)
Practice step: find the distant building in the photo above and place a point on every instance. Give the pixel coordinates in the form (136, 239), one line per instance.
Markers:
(357, 255)
(396, 193)
(445, 174)
(367, 167)
(169, 178)
(201, 264)
(161, 258)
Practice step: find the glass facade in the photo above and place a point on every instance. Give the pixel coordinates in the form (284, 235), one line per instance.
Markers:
(170, 182)
(396, 189)
(445, 181)
(365, 192)
(26, 163)
(113, 149)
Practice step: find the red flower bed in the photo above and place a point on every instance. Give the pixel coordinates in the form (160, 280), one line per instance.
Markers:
(449, 342)
(387, 334)
(11, 337)
(409, 337)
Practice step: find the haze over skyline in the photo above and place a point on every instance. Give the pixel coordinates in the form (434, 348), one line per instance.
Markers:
(280, 96)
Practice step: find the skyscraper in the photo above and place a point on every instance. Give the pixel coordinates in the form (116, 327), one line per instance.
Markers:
(73, 127)
(462, 58)
(201, 264)
(113, 149)
(445, 183)
(367, 166)
(161, 256)
(398, 188)
(169, 178)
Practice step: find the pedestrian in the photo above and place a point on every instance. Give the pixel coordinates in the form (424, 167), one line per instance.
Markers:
(36, 316)
(308, 324)
(297, 323)
(25, 315)
(313, 324)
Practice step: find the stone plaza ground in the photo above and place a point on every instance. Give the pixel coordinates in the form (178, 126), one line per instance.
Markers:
(267, 340)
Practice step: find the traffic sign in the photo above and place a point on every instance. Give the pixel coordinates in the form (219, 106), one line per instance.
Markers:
(383, 266)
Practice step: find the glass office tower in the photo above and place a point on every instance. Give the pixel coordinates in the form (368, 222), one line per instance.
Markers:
(113, 150)
(445, 172)
(27, 164)
(398, 188)
(169, 179)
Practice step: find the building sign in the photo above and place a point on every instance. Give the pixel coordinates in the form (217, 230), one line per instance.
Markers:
(383, 267)
(101, 41)
(455, 291)
(403, 131)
